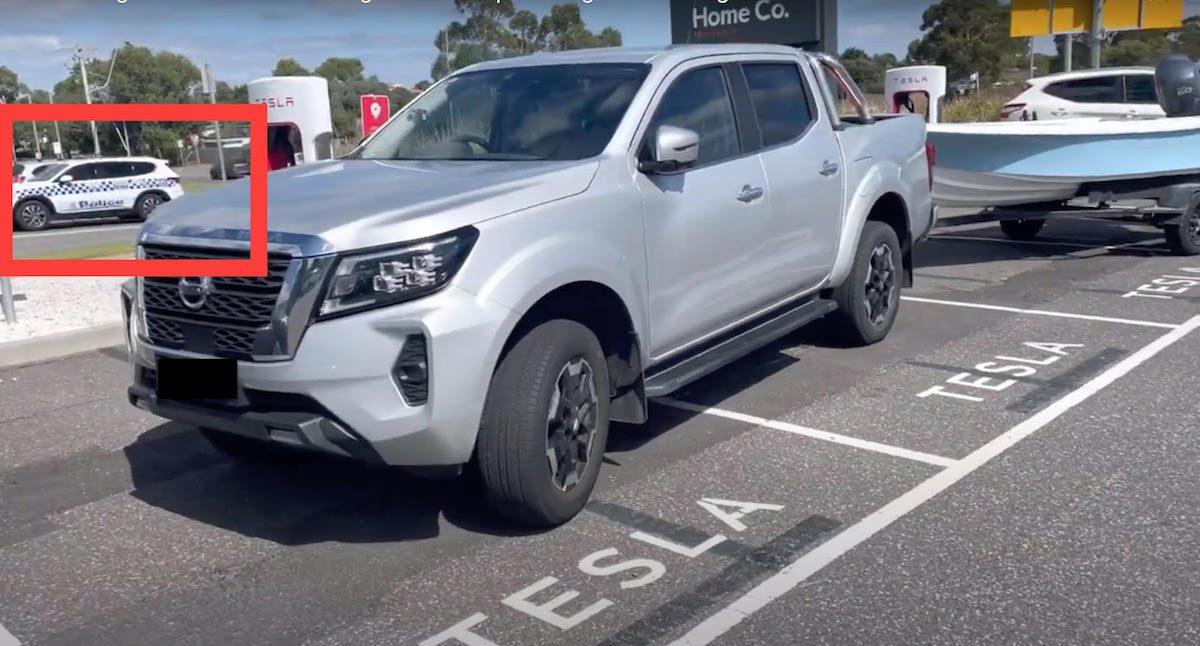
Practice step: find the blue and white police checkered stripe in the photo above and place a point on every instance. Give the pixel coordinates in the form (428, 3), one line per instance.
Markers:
(92, 186)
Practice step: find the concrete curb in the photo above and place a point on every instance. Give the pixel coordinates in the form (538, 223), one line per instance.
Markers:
(61, 345)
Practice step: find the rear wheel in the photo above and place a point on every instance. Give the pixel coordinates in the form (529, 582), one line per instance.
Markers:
(869, 299)
(145, 205)
(31, 215)
(1022, 229)
(545, 425)
(1184, 238)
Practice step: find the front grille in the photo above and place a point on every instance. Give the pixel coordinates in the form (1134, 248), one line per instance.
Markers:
(230, 319)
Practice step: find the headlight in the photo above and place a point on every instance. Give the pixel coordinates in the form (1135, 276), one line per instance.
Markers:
(385, 277)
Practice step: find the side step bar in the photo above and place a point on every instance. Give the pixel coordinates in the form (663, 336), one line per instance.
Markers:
(663, 380)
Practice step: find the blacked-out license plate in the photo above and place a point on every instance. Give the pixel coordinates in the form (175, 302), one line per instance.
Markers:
(197, 378)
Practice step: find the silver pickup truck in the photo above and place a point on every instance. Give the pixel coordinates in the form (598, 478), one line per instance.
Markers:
(529, 251)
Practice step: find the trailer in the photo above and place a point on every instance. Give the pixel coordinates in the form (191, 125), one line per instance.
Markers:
(1169, 203)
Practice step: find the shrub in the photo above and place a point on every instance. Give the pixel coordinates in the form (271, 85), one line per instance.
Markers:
(971, 108)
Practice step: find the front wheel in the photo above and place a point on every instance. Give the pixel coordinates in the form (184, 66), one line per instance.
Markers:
(31, 215)
(1022, 229)
(545, 425)
(869, 299)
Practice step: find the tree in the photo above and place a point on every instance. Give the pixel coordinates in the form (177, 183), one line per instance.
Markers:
(496, 29)
(867, 70)
(9, 86)
(289, 67)
(967, 36)
(345, 70)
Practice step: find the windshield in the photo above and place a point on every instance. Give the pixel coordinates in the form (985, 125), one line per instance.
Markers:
(550, 112)
(46, 172)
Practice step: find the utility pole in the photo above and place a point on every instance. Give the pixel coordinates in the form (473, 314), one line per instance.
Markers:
(87, 97)
(37, 141)
(1068, 48)
(210, 87)
(57, 135)
(1094, 34)
(1032, 65)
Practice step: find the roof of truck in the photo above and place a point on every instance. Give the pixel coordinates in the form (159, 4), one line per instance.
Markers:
(669, 54)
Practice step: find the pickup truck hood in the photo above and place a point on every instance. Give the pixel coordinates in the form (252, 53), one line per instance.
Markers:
(350, 204)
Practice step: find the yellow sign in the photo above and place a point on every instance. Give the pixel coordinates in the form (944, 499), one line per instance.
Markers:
(1046, 17)
(1123, 14)
(1071, 16)
(1030, 18)
(1162, 14)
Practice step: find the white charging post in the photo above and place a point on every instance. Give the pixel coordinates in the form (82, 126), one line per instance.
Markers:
(902, 83)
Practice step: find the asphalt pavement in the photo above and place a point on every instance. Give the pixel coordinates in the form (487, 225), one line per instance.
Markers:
(1014, 464)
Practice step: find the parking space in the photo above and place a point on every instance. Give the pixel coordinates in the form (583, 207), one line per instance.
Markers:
(1007, 446)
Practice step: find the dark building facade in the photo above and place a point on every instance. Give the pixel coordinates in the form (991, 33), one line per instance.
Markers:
(808, 24)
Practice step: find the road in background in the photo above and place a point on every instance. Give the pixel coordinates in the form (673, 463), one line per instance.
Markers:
(809, 493)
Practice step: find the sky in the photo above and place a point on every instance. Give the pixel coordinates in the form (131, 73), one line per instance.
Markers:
(242, 39)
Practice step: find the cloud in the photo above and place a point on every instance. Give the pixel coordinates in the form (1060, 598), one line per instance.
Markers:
(868, 30)
(29, 43)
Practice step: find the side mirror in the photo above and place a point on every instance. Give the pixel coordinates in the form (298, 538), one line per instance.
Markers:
(65, 179)
(672, 149)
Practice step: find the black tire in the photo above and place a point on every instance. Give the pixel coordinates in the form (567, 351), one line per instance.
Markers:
(31, 215)
(245, 449)
(513, 449)
(868, 300)
(1022, 229)
(145, 205)
(1184, 238)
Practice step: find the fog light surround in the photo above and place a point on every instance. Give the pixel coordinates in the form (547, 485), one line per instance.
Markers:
(411, 372)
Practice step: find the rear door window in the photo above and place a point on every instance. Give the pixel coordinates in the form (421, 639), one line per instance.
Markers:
(1139, 88)
(43, 173)
(781, 103)
(1096, 89)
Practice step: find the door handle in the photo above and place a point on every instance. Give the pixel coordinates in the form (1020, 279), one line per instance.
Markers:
(828, 168)
(750, 193)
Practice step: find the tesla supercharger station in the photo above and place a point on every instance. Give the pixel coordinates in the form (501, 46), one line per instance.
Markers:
(299, 106)
(905, 89)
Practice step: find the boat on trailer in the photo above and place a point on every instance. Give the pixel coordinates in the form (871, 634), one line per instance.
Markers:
(1008, 163)
(1027, 171)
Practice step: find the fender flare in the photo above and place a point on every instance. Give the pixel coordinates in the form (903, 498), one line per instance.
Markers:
(875, 184)
(521, 280)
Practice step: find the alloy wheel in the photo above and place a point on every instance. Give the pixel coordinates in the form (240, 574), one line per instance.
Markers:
(149, 203)
(571, 423)
(33, 215)
(880, 283)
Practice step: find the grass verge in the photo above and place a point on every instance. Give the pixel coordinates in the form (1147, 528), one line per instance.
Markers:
(196, 186)
(98, 251)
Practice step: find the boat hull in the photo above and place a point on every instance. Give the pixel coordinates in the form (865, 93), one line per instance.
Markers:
(1011, 163)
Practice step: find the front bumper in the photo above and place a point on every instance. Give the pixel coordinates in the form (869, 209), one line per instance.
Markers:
(339, 394)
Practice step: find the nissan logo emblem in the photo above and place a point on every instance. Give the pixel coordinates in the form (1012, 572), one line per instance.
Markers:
(194, 291)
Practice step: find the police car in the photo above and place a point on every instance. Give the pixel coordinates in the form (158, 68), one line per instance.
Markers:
(129, 187)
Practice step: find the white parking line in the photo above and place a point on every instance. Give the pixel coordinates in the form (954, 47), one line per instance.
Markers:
(846, 440)
(7, 639)
(824, 554)
(1017, 310)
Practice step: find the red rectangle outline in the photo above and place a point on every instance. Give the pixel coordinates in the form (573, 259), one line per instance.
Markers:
(256, 114)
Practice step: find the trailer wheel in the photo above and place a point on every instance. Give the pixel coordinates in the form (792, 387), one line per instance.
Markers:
(1184, 238)
(1022, 229)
